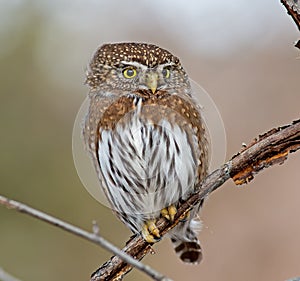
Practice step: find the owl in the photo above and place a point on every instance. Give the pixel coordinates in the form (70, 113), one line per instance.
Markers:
(147, 139)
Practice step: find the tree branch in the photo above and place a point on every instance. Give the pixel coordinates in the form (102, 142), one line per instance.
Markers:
(266, 150)
(92, 237)
(293, 9)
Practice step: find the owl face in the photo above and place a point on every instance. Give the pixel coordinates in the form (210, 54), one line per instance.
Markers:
(135, 68)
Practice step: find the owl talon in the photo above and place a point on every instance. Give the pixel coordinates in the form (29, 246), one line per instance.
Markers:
(150, 231)
(169, 213)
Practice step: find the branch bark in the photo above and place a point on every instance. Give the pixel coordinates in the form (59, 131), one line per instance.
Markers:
(92, 237)
(293, 9)
(268, 149)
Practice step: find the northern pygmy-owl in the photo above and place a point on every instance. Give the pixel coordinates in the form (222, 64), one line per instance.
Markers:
(147, 139)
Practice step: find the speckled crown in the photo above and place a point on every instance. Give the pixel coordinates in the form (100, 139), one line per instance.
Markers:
(147, 54)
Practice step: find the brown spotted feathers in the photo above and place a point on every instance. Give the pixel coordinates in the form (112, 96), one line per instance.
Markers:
(147, 139)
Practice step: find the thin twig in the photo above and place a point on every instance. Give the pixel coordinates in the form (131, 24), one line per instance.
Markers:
(268, 149)
(92, 237)
(4, 276)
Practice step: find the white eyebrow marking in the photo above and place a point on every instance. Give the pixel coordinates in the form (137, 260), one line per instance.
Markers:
(161, 66)
(135, 64)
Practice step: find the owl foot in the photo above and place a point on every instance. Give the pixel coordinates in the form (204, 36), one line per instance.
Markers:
(150, 231)
(169, 213)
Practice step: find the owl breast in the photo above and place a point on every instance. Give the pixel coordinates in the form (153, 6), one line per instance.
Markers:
(148, 162)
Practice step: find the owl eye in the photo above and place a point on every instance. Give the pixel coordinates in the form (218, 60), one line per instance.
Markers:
(129, 72)
(166, 72)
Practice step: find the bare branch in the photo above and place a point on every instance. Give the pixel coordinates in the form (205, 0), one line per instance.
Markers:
(92, 237)
(293, 9)
(268, 149)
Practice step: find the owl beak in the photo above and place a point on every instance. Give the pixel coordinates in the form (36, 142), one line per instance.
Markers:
(151, 81)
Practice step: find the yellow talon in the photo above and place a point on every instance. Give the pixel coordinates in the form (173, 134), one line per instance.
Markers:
(172, 212)
(169, 212)
(164, 212)
(153, 228)
(150, 231)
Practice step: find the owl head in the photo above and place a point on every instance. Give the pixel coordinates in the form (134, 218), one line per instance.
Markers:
(136, 69)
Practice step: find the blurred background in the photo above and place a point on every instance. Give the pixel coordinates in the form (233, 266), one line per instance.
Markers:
(242, 53)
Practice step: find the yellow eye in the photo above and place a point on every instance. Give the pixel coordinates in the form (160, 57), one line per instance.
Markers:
(129, 72)
(166, 72)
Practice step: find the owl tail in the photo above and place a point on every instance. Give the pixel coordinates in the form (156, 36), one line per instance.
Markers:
(186, 243)
(188, 251)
